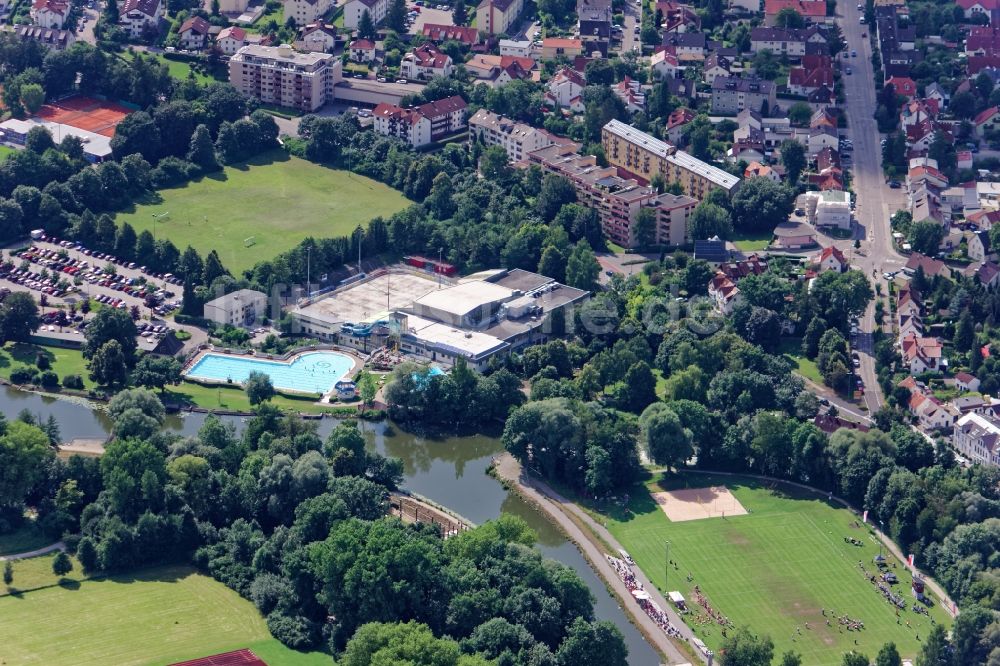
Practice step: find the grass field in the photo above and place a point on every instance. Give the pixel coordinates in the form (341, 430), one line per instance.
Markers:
(233, 398)
(277, 199)
(176, 68)
(773, 569)
(63, 361)
(751, 242)
(157, 616)
(6, 151)
(792, 348)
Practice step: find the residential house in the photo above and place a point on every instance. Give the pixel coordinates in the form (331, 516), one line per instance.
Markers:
(966, 382)
(737, 270)
(520, 48)
(517, 139)
(318, 37)
(829, 208)
(57, 40)
(908, 302)
(362, 50)
(354, 9)
(831, 259)
(230, 40)
(665, 64)
(731, 95)
(919, 136)
(440, 33)
(922, 354)
(974, 8)
(565, 90)
(425, 62)
(594, 20)
(423, 124)
(715, 66)
(791, 42)
(931, 413)
(813, 11)
(49, 13)
(687, 46)
(989, 274)
(918, 111)
(193, 33)
(825, 117)
(309, 11)
(928, 175)
(141, 17)
(830, 423)
(757, 170)
(821, 138)
(931, 267)
(977, 437)
(805, 81)
(678, 17)
(713, 251)
(724, 293)
(495, 70)
(554, 47)
(631, 94)
(904, 86)
(979, 247)
(241, 308)
(498, 16)
(675, 124)
(987, 122)
(935, 92)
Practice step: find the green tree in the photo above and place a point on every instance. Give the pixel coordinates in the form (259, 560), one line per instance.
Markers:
(667, 441)
(111, 324)
(888, 656)
(644, 227)
(789, 18)
(11, 219)
(638, 388)
(494, 165)
(62, 565)
(395, 19)
(553, 263)
(965, 332)
(409, 643)
(855, 659)
(793, 156)
(258, 387)
(367, 387)
(19, 317)
(108, 366)
(459, 14)
(760, 204)
(799, 114)
(8, 573)
(925, 237)
(24, 455)
(556, 192)
(201, 150)
(742, 648)
(709, 220)
(156, 372)
(592, 644)
(366, 27)
(582, 268)
(791, 659)
(936, 650)
(32, 97)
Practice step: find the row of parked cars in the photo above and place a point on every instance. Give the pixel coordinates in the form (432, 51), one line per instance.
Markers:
(33, 280)
(110, 258)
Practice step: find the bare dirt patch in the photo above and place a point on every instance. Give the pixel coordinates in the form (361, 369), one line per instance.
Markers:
(698, 503)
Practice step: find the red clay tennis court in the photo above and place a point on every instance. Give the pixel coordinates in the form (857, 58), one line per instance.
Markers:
(235, 658)
(86, 113)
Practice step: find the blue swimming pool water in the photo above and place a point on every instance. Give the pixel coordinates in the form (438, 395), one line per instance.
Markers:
(315, 372)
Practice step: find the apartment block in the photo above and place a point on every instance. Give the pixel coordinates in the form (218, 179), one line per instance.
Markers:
(516, 138)
(423, 124)
(306, 11)
(643, 156)
(355, 9)
(497, 16)
(617, 200)
(731, 95)
(280, 75)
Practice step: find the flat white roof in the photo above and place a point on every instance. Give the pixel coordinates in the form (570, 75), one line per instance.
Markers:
(663, 149)
(471, 343)
(93, 143)
(465, 297)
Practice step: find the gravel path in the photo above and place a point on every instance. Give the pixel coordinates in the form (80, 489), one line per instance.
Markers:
(59, 545)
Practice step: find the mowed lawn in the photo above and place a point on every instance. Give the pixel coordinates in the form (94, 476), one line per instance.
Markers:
(774, 569)
(275, 198)
(157, 616)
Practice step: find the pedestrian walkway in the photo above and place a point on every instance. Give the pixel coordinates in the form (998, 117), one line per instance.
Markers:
(58, 545)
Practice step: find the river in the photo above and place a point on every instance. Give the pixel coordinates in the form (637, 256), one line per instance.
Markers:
(451, 471)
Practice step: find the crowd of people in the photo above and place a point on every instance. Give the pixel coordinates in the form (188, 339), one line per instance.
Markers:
(652, 609)
(882, 587)
(714, 615)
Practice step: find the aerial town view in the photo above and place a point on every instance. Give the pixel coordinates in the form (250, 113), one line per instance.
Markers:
(500, 332)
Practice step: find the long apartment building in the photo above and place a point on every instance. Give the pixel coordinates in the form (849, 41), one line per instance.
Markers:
(423, 124)
(643, 156)
(518, 139)
(280, 75)
(617, 200)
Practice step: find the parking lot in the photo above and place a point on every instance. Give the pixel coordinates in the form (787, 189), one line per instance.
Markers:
(429, 13)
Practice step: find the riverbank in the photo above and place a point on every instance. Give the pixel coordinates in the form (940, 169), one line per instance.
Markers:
(594, 543)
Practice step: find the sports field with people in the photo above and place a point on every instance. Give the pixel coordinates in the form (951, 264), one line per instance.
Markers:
(157, 616)
(787, 568)
(281, 200)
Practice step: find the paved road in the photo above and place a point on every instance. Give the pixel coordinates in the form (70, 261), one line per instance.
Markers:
(59, 545)
(876, 202)
(557, 508)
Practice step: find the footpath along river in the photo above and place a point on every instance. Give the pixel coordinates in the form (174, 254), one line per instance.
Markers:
(450, 471)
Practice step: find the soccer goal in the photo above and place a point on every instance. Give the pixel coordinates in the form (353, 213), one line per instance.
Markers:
(249, 241)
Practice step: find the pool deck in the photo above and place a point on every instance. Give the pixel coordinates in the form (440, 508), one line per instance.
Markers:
(288, 358)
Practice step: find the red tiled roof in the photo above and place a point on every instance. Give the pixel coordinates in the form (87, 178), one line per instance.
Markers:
(809, 8)
(362, 44)
(834, 252)
(903, 85)
(985, 115)
(233, 32)
(195, 23)
(440, 33)
(988, 5)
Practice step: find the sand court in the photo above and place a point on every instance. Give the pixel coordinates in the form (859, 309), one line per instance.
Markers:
(698, 503)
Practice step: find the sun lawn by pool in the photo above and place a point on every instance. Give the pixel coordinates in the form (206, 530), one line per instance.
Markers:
(156, 616)
(281, 200)
(775, 569)
(313, 372)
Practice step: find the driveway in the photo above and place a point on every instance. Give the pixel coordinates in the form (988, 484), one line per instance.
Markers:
(429, 15)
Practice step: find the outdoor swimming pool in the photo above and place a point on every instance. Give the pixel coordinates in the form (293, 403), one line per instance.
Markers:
(313, 372)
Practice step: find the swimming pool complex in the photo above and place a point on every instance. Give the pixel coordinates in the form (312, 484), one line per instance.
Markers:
(312, 372)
